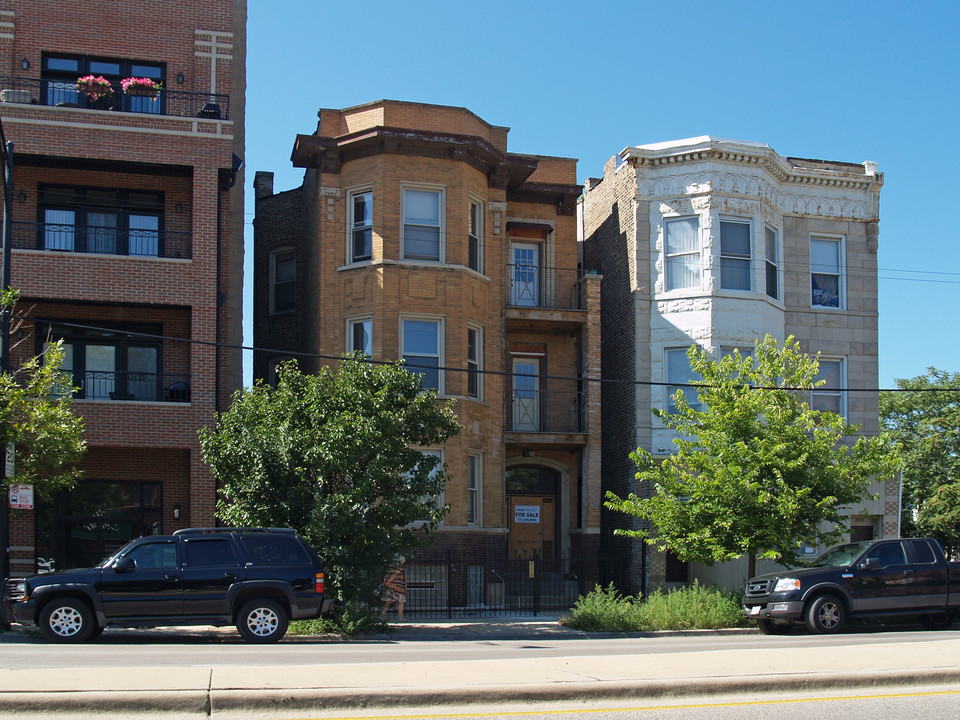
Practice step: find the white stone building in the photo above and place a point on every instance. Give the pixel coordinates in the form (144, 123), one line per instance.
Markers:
(720, 242)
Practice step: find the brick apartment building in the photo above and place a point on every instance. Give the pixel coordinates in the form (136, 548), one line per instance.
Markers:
(417, 235)
(718, 242)
(127, 244)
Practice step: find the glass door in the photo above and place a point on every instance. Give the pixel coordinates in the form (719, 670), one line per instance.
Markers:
(525, 278)
(526, 394)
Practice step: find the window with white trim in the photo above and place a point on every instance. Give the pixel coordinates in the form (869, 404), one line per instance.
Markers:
(682, 252)
(360, 335)
(474, 485)
(475, 361)
(772, 264)
(361, 225)
(423, 226)
(826, 272)
(283, 280)
(475, 237)
(829, 397)
(422, 349)
(734, 255)
(680, 376)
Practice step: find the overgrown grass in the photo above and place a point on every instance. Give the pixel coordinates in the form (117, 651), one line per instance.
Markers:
(690, 608)
(348, 620)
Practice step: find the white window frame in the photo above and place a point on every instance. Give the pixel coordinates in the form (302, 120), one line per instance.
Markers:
(773, 263)
(439, 321)
(475, 364)
(690, 393)
(352, 227)
(840, 274)
(474, 489)
(475, 234)
(668, 256)
(839, 393)
(352, 322)
(737, 258)
(274, 257)
(441, 192)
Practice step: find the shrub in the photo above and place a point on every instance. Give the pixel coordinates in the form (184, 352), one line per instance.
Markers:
(349, 619)
(689, 608)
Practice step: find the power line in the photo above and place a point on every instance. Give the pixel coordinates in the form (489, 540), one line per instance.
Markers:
(294, 354)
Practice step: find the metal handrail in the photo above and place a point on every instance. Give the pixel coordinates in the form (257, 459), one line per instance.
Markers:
(59, 237)
(541, 286)
(132, 386)
(546, 411)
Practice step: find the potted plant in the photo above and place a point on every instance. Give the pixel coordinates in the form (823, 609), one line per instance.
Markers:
(95, 87)
(141, 87)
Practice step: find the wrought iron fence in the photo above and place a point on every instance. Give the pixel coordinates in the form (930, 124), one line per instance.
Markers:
(177, 103)
(539, 286)
(102, 240)
(142, 386)
(553, 410)
(440, 584)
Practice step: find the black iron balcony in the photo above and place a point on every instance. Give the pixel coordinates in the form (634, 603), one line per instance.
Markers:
(538, 286)
(137, 386)
(554, 410)
(56, 237)
(62, 93)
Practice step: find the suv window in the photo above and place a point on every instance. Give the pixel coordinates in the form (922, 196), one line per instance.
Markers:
(154, 555)
(274, 549)
(209, 552)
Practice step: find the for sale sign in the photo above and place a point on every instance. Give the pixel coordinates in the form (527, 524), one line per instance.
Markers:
(21, 497)
(526, 514)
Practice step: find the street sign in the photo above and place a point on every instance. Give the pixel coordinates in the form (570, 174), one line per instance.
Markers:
(21, 497)
(9, 469)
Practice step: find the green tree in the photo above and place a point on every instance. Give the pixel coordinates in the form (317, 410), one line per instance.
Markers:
(756, 470)
(939, 516)
(923, 419)
(36, 415)
(334, 455)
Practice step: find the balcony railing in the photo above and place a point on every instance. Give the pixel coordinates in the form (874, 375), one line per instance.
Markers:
(553, 410)
(61, 93)
(57, 237)
(143, 387)
(538, 286)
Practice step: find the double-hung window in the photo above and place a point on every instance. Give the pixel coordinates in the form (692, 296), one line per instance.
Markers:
(734, 255)
(826, 272)
(474, 361)
(283, 280)
(361, 225)
(474, 485)
(680, 377)
(421, 349)
(360, 336)
(682, 251)
(475, 237)
(829, 397)
(423, 224)
(772, 266)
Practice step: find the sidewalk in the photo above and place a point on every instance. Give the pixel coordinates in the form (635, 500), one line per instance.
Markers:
(634, 674)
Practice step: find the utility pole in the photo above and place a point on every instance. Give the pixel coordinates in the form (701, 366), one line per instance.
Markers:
(6, 148)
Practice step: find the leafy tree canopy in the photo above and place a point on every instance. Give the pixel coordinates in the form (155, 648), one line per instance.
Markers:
(756, 471)
(334, 456)
(923, 419)
(35, 414)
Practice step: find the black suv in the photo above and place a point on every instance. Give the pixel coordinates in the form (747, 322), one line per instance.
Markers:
(256, 578)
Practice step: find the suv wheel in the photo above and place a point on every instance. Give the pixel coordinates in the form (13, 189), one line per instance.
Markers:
(826, 614)
(68, 621)
(262, 621)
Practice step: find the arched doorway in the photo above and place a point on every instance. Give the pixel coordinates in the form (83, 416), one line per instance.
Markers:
(533, 512)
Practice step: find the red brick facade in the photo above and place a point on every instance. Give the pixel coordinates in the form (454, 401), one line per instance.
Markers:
(177, 151)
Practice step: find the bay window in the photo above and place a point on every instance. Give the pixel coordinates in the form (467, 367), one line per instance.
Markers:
(682, 253)
(422, 224)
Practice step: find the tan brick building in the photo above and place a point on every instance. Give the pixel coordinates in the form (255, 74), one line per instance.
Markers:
(719, 242)
(416, 234)
(127, 244)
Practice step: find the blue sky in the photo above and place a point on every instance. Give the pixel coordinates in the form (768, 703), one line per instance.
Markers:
(849, 81)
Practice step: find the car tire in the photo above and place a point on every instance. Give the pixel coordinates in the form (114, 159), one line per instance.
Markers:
(769, 627)
(262, 621)
(937, 621)
(826, 614)
(67, 621)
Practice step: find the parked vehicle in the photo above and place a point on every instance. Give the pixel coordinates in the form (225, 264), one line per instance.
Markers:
(255, 578)
(862, 579)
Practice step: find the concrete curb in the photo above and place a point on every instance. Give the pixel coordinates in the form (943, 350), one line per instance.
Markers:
(301, 699)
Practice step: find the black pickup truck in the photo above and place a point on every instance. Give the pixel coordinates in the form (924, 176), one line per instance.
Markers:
(255, 578)
(861, 579)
